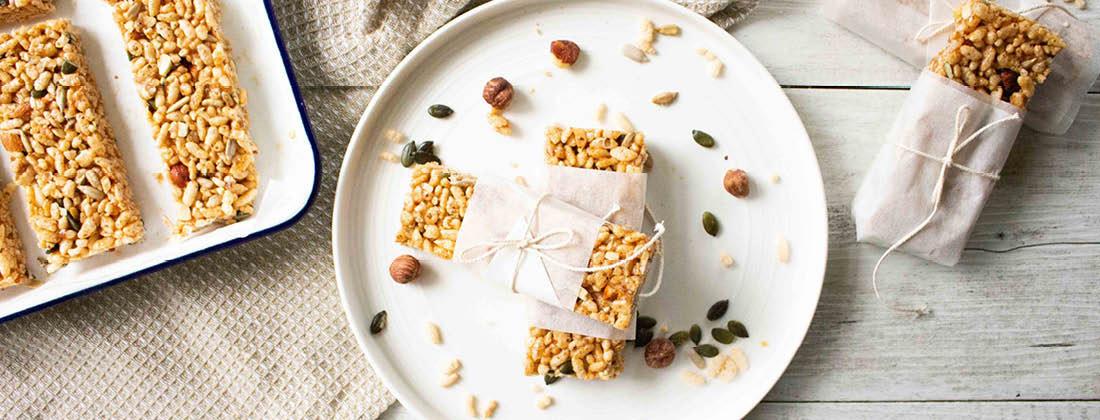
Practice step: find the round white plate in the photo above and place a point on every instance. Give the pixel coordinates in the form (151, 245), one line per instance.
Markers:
(755, 127)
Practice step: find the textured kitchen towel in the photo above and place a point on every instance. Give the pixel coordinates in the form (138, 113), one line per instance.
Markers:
(255, 331)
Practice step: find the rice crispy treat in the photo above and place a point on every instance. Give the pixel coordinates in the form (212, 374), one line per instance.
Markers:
(590, 148)
(181, 63)
(62, 150)
(434, 209)
(996, 51)
(13, 268)
(562, 354)
(19, 10)
(608, 296)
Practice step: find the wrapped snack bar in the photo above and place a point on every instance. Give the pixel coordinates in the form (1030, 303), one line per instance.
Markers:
(612, 162)
(184, 73)
(13, 268)
(20, 10)
(896, 26)
(62, 150)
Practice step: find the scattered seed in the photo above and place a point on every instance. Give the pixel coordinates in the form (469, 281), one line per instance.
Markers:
(634, 53)
(722, 335)
(739, 359)
(453, 367)
(696, 334)
(378, 323)
(716, 68)
(783, 250)
(407, 153)
(775, 178)
(394, 136)
(521, 181)
(662, 329)
(706, 350)
(693, 378)
(702, 138)
(702, 51)
(697, 360)
(549, 379)
(471, 405)
(536, 388)
(601, 112)
(624, 123)
(737, 328)
(641, 338)
(710, 223)
(679, 337)
(544, 402)
(435, 336)
(449, 380)
(646, 322)
(440, 111)
(718, 310)
(665, 98)
(670, 30)
(490, 409)
(727, 260)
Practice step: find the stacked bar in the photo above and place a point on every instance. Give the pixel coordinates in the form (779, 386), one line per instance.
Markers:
(589, 148)
(561, 354)
(61, 147)
(184, 74)
(434, 209)
(998, 52)
(20, 10)
(13, 269)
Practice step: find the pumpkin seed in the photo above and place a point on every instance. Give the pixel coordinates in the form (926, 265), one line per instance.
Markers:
(74, 221)
(550, 379)
(722, 335)
(407, 154)
(567, 368)
(378, 324)
(703, 139)
(706, 350)
(426, 147)
(68, 67)
(696, 334)
(718, 310)
(679, 337)
(38, 94)
(424, 157)
(440, 111)
(642, 338)
(710, 223)
(646, 322)
(737, 328)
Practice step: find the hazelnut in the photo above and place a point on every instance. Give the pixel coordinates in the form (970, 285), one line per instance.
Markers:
(405, 269)
(660, 353)
(179, 174)
(736, 183)
(565, 52)
(498, 93)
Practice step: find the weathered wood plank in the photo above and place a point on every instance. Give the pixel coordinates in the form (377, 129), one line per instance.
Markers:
(974, 410)
(800, 47)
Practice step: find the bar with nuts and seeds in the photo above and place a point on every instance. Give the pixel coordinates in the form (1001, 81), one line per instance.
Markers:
(20, 10)
(561, 354)
(13, 268)
(998, 52)
(590, 148)
(62, 150)
(181, 63)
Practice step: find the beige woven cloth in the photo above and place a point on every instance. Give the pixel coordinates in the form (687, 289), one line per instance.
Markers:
(254, 331)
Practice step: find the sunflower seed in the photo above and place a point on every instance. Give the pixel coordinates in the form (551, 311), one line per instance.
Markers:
(696, 334)
(697, 360)
(706, 350)
(449, 380)
(718, 309)
(665, 98)
(634, 53)
(378, 324)
(702, 138)
(783, 250)
(722, 335)
(737, 328)
(91, 192)
(710, 223)
(435, 336)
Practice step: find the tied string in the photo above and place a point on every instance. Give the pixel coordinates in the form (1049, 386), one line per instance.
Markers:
(536, 245)
(932, 29)
(947, 162)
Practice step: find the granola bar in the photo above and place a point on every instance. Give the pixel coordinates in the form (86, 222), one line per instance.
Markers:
(20, 10)
(591, 148)
(609, 296)
(62, 150)
(182, 67)
(13, 269)
(996, 51)
(434, 209)
(560, 354)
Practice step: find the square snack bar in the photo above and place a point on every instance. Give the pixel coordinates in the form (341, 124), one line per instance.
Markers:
(561, 354)
(19, 10)
(181, 63)
(13, 268)
(996, 51)
(62, 150)
(590, 148)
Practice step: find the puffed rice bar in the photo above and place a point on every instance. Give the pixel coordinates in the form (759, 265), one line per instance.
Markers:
(563, 354)
(181, 63)
(62, 149)
(590, 148)
(434, 209)
(996, 51)
(13, 268)
(609, 295)
(21, 10)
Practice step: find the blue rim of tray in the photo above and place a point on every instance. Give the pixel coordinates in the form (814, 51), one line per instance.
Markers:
(300, 103)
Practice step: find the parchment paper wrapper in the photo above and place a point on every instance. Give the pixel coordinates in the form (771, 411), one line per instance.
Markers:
(896, 195)
(597, 192)
(890, 24)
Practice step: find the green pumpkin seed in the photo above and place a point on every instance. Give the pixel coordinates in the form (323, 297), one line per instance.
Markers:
(567, 368)
(38, 94)
(642, 338)
(702, 138)
(550, 379)
(646, 322)
(710, 223)
(407, 154)
(426, 147)
(68, 67)
(74, 222)
(722, 335)
(696, 334)
(706, 350)
(424, 157)
(718, 310)
(679, 337)
(440, 111)
(378, 324)
(737, 328)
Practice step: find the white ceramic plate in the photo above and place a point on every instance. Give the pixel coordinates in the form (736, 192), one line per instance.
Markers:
(288, 163)
(755, 127)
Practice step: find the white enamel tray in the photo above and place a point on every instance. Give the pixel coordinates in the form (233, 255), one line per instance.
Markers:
(755, 127)
(288, 162)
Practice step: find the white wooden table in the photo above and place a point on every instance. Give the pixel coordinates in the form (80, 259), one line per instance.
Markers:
(1016, 325)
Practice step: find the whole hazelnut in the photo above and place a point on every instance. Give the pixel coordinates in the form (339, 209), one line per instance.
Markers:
(405, 269)
(736, 183)
(179, 175)
(565, 52)
(498, 93)
(660, 353)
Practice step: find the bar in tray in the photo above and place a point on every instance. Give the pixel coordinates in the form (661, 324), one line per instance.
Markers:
(591, 148)
(62, 150)
(19, 10)
(561, 354)
(996, 51)
(181, 63)
(13, 268)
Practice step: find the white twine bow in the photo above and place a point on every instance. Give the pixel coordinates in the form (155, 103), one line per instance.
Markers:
(947, 162)
(543, 242)
(932, 29)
